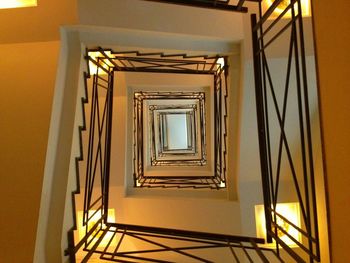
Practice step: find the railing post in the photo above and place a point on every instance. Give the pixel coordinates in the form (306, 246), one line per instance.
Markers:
(261, 127)
(108, 145)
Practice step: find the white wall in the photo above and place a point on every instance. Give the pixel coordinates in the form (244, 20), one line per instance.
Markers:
(151, 16)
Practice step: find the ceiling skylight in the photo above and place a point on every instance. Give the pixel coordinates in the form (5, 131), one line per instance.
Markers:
(17, 3)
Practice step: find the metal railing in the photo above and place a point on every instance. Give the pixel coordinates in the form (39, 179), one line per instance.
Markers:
(285, 156)
(131, 243)
(265, 34)
(111, 241)
(133, 61)
(99, 96)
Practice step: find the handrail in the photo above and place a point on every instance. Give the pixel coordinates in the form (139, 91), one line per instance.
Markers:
(188, 233)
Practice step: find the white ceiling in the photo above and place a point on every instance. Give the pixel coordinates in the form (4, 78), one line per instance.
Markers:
(42, 23)
(161, 17)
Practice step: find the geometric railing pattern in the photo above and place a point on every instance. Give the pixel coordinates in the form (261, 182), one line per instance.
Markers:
(285, 134)
(108, 241)
(216, 66)
(194, 153)
(96, 154)
(280, 162)
(153, 244)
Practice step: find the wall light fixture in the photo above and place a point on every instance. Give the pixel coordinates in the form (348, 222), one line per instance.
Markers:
(96, 216)
(290, 211)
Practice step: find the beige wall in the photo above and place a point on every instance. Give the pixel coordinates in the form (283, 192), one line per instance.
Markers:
(153, 16)
(332, 30)
(27, 79)
(34, 24)
(27, 82)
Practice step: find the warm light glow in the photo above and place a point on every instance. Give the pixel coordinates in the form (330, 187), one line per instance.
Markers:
(92, 222)
(221, 62)
(17, 3)
(95, 55)
(291, 211)
(305, 7)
